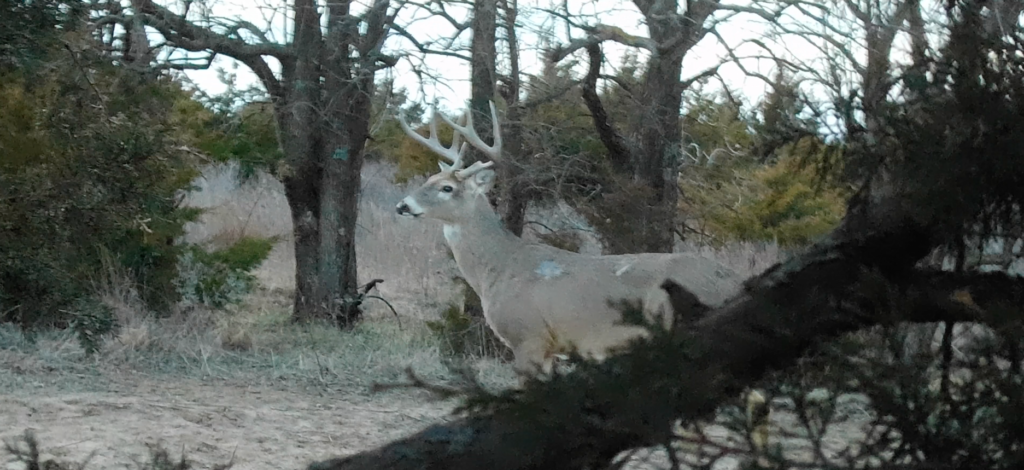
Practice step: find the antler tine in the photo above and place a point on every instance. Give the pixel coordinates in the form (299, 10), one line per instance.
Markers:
(453, 154)
(473, 169)
(469, 132)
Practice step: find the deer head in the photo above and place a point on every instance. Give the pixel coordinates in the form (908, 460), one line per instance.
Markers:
(452, 194)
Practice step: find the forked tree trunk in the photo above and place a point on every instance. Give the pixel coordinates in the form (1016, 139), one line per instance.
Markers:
(651, 158)
(321, 108)
(660, 132)
(297, 123)
(658, 157)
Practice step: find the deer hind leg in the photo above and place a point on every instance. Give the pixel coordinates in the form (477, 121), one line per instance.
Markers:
(532, 361)
(758, 413)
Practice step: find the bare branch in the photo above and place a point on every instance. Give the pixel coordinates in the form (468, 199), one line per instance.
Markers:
(598, 34)
(767, 15)
(618, 150)
(738, 62)
(685, 84)
(186, 35)
(425, 48)
(195, 38)
(187, 64)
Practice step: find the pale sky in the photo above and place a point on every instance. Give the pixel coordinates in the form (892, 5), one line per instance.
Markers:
(451, 89)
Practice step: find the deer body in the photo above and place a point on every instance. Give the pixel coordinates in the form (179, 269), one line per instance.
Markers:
(540, 300)
(543, 301)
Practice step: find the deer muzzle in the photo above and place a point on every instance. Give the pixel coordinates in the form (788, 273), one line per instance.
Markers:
(409, 207)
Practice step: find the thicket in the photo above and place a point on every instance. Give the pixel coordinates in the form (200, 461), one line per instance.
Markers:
(95, 156)
(751, 178)
(750, 171)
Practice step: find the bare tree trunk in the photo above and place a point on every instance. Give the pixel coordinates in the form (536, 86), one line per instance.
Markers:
(297, 123)
(657, 161)
(660, 130)
(322, 111)
(344, 136)
(652, 159)
(484, 57)
(513, 198)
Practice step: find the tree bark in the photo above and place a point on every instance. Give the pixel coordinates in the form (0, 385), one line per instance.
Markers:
(652, 159)
(508, 198)
(321, 108)
(864, 276)
(297, 122)
(618, 150)
(660, 132)
(483, 67)
(513, 198)
(344, 127)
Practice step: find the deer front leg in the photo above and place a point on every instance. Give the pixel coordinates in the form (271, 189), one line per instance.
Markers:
(758, 413)
(532, 360)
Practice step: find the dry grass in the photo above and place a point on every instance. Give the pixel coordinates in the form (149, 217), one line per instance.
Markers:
(256, 340)
(410, 255)
(255, 344)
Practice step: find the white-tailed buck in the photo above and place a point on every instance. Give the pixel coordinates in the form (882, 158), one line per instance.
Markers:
(540, 300)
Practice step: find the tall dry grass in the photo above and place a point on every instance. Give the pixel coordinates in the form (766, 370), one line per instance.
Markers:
(256, 339)
(409, 254)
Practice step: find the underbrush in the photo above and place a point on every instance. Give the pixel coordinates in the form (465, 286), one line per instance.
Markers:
(255, 341)
(29, 453)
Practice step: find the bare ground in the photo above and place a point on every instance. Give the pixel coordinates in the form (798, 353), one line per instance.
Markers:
(263, 426)
(258, 427)
(266, 406)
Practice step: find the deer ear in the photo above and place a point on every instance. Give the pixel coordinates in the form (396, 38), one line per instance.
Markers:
(482, 181)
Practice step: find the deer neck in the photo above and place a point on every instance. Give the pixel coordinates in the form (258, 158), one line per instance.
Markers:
(483, 247)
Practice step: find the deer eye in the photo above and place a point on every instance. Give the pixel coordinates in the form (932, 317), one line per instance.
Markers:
(447, 188)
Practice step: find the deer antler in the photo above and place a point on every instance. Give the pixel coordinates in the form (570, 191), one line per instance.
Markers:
(453, 154)
(460, 130)
(472, 170)
(492, 151)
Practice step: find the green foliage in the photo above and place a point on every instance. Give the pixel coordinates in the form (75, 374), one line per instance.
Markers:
(414, 159)
(238, 124)
(91, 320)
(221, 277)
(29, 30)
(87, 170)
(387, 136)
(248, 136)
(787, 205)
(729, 194)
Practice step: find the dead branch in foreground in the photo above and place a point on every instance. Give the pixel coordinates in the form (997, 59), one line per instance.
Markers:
(582, 420)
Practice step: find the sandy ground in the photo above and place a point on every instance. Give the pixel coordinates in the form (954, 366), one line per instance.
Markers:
(260, 428)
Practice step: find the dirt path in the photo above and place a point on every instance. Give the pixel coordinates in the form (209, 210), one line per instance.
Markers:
(262, 428)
